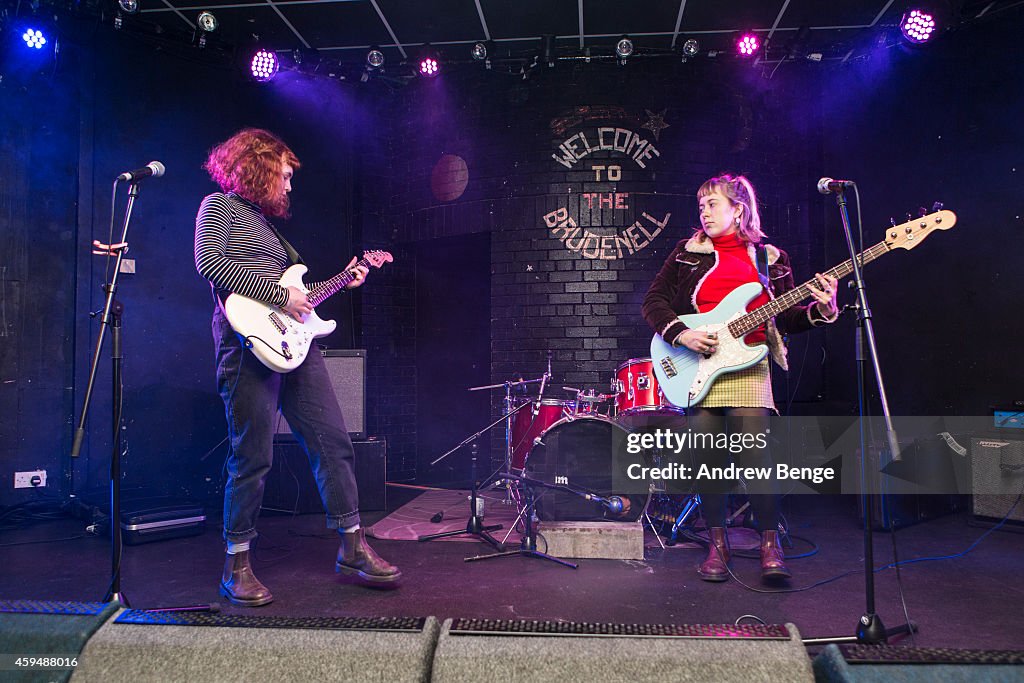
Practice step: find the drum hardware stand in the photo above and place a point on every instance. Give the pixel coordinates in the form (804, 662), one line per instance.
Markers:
(688, 509)
(528, 545)
(510, 410)
(475, 523)
(586, 397)
(870, 629)
(646, 516)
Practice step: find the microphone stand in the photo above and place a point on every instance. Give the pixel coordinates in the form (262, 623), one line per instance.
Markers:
(111, 317)
(528, 544)
(475, 525)
(870, 630)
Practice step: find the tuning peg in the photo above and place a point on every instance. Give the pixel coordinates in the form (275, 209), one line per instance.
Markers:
(937, 206)
(892, 221)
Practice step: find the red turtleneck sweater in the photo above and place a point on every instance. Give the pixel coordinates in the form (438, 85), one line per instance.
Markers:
(734, 269)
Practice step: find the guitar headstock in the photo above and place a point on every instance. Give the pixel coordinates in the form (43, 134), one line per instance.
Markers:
(377, 258)
(908, 235)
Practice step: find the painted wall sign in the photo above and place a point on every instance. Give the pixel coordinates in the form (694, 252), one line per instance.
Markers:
(605, 151)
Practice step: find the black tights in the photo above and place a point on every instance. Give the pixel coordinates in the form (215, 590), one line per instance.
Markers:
(763, 494)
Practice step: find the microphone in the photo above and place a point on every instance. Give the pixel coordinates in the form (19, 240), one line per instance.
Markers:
(829, 185)
(613, 504)
(544, 380)
(153, 168)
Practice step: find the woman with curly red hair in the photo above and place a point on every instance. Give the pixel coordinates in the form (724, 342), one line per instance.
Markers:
(239, 251)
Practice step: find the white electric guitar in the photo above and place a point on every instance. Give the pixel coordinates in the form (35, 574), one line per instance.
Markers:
(280, 341)
(685, 376)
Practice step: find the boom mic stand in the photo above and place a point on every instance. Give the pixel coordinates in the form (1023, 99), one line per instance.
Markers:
(528, 544)
(475, 525)
(870, 630)
(111, 317)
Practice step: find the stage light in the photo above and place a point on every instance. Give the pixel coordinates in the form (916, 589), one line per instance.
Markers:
(690, 47)
(747, 45)
(129, 6)
(207, 22)
(375, 58)
(547, 49)
(917, 26)
(483, 51)
(34, 38)
(624, 48)
(429, 67)
(264, 65)
(429, 63)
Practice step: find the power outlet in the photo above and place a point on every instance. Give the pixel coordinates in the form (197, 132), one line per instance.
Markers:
(23, 480)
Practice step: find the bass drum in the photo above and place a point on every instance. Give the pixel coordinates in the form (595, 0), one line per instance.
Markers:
(581, 453)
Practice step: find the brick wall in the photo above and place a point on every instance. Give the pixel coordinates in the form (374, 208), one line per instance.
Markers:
(551, 290)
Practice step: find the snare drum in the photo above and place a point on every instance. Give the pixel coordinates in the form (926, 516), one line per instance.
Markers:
(636, 389)
(526, 426)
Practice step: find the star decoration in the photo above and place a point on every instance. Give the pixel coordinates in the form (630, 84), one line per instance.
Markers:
(655, 122)
(529, 268)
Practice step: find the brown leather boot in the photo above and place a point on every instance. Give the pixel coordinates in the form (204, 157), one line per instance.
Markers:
(240, 585)
(773, 562)
(355, 556)
(715, 566)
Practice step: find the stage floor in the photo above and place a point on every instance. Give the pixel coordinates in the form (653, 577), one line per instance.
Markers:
(974, 601)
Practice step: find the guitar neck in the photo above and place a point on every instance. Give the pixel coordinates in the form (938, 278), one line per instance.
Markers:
(759, 316)
(329, 288)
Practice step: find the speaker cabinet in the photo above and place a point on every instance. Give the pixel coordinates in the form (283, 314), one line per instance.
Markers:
(347, 370)
(555, 652)
(856, 663)
(290, 486)
(997, 478)
(144, 646)
(48, 629)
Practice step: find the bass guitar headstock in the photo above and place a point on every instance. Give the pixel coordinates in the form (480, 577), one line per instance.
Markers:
(908, 235)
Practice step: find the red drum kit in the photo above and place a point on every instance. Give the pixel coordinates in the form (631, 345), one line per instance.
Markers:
(560, 455)
(577, 440)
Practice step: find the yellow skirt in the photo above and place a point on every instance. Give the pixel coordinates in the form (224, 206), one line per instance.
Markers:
(750, 388)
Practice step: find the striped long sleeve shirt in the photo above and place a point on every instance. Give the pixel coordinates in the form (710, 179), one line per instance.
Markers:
(237, 251)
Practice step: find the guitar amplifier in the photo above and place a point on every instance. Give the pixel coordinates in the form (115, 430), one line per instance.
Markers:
(997, 480)
(290, 486)
(347, 370)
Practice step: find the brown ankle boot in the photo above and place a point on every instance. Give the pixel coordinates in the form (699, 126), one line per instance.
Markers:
(355, 556)
(715, 566)
(773, 562)
(240, 585)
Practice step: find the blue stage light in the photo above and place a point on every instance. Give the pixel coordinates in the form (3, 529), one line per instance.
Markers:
(34, 38)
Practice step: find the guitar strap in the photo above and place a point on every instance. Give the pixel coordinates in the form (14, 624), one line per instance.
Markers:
(762, 267)
(293, 255)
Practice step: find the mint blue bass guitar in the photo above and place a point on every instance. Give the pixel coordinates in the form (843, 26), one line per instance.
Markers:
(686, 376)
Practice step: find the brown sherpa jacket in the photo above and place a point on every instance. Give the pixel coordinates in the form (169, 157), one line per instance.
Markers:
(674, 293)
